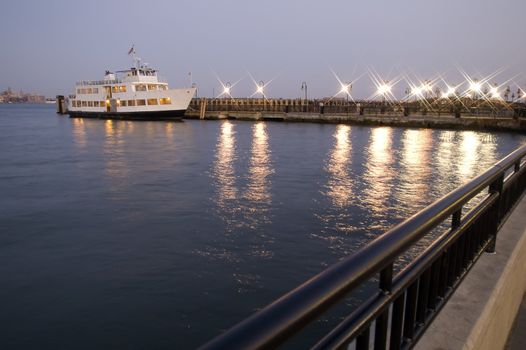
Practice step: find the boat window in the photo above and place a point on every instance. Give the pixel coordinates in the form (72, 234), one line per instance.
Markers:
(140, 87)
(162, 87)
(114, 89)
(102, 103)
(90, 103)
(152, 87)
(152, 101)
(141, 102)
(122, 88)
(73, 103)
(131, 103)
(165, 101)
(95, 90)
(89, 90)
(84, 104)
(124, 103)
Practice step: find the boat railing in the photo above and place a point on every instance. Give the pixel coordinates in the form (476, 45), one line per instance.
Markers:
(98, 82)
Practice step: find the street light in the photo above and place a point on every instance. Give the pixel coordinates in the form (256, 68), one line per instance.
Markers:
(494, 92)
(194, 85)
(261, 88)
(475, 87)
(227, 88)
(304, 88)
(346, 89)
(384, 89)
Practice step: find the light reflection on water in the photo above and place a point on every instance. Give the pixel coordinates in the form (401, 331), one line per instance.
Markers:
(260, 168)
(223, 172)
(379, 173)
(339, 186)
(416, 170)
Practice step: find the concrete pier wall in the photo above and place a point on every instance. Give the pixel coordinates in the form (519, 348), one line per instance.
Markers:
(417, 121)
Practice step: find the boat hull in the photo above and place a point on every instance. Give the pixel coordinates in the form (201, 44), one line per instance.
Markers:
(143, 115)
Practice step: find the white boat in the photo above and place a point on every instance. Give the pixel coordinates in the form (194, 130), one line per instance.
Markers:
(136, 93)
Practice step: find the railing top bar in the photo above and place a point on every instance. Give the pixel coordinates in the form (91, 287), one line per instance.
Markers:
(271, 326)
(512, 158)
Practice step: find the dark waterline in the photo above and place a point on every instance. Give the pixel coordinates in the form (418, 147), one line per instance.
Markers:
(119, 234)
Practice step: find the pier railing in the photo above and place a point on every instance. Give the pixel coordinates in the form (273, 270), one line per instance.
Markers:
(432, 107)
(405, 302)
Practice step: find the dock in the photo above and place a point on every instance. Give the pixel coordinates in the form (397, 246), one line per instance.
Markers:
(466, 115)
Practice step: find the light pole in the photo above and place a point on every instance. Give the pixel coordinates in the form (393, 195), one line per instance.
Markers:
(348, 89)
(304, 88)
(227, 88)
(194, 85)
(261, 86)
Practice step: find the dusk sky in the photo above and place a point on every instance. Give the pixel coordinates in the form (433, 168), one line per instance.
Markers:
(48, 45)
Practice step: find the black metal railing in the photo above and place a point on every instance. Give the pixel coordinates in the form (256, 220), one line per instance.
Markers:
(404, 303)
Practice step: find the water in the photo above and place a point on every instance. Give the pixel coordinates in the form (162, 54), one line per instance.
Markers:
(118, 234)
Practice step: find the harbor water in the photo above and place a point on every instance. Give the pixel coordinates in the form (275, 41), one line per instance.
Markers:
(152, 235)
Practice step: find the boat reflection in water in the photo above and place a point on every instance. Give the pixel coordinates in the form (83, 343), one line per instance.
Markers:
(114, 150)
(79, 133)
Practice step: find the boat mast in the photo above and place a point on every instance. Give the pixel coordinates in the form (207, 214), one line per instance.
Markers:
(136, 60)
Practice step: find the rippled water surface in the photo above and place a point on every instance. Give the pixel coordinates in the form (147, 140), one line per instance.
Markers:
(117, 234)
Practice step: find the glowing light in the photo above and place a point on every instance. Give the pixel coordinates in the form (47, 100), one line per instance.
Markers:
(345, 88)
(450, 92)
(260, 89)
(417, 91)
(384, 89)
(260, 86)
(494, 92)
(426, 86)
(475, 86)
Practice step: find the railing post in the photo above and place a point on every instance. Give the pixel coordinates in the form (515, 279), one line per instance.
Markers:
(386, 279)
(380, 333)
(362, 342)
(455, 218)
(496, 186)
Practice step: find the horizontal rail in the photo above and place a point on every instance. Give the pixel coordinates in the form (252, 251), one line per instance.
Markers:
(457, 249)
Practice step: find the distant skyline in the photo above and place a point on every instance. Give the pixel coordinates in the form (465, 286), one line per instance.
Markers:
(48, 45)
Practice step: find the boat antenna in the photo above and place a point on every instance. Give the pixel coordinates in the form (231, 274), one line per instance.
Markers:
(136, 60)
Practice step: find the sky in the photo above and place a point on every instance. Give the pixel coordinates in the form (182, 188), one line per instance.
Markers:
(48, 45)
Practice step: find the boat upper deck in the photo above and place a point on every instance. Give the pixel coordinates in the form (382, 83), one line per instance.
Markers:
(133, 75)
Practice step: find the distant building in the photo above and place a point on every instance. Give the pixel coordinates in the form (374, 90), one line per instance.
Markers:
(10, 96)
